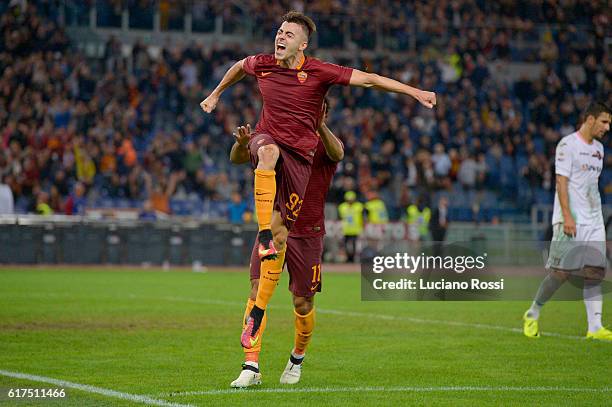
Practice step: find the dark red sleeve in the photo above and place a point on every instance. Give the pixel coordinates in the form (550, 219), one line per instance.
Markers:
(335, 74)
(250, 63)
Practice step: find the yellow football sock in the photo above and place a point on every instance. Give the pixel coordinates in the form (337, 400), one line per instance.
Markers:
(265, 190)
(304, 324)
(268, 278)
(252, 355)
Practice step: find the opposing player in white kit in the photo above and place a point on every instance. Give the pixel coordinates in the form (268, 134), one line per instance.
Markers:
(579, 238)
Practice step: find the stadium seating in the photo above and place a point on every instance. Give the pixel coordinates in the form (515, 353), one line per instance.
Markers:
(87, 100)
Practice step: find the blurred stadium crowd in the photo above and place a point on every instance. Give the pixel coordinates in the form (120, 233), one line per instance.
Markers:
(127, 131)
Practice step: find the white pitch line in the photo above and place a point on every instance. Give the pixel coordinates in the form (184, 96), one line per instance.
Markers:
(444, 389)
(383, 317)
(93, 389)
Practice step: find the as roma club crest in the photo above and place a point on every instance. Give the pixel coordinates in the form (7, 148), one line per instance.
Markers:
(302, 76)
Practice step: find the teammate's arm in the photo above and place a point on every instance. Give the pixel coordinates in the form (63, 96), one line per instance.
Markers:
(569, 224)
(240, 151)
(233, 75)
(333, 146)
(372, 80)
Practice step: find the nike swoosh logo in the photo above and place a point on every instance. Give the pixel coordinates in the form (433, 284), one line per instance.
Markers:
(314, 288)
(260, 193)
(264, 74)
(254, 341)
(265, 253)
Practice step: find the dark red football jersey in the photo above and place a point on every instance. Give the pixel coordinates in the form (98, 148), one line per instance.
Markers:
(311, 220)
(292, 98)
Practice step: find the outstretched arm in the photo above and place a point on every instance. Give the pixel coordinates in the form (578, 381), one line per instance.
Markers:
(372, 80)
(233, 75)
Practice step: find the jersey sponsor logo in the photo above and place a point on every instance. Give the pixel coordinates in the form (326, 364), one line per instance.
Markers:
(588, 167)
(597, 155)
(302, 76)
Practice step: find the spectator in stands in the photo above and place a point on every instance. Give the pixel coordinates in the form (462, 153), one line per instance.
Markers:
(441, 167)
(418, 217)
(147, 212)
(42, 204)
(55, 200)
(76, 202)
(441, 161)
(237, 209)
(6, 198)
(439, 220)
(481, 170)
(468, 171)
(127, 154)
(351, 215)
(192, 161)
(62, 114)
(160, 192)
(85, 167)
(224, 188)
(376, 209)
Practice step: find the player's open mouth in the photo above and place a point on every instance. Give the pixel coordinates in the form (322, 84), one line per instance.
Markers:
(280, 47)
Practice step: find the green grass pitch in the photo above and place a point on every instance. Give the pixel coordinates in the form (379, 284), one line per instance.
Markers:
(174, 337)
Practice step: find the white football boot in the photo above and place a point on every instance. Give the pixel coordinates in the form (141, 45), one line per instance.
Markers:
(249, 376)
(291, 374)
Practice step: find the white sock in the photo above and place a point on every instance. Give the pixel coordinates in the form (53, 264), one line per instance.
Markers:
(534, 310)
(594, 303)
(254, 364)
(295, 358)
(548, 287)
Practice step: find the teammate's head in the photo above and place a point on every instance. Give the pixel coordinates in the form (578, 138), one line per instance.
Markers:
(293, 35)
(596, 119)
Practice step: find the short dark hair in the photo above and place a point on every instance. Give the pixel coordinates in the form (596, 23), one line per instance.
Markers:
(300, 18)
(595, 109)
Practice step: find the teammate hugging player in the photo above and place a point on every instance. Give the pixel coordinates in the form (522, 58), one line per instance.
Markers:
(579, 236)
(304, 254)
(282, 149)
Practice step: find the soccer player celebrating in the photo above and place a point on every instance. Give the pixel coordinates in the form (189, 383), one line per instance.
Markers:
(579, 237)
(304, 254)
(293, 87)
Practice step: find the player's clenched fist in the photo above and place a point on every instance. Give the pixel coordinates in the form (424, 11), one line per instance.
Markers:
(209, 104)
(427, 99)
